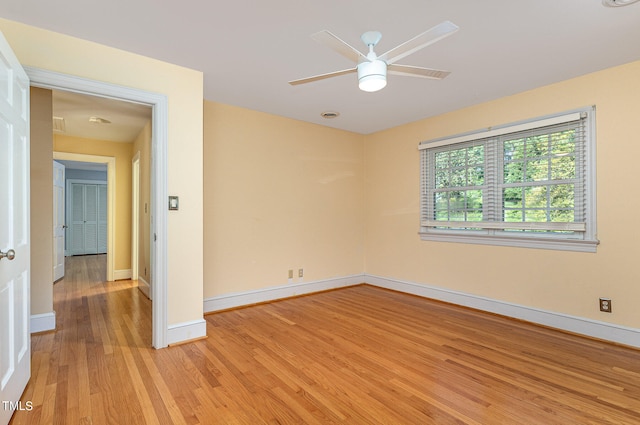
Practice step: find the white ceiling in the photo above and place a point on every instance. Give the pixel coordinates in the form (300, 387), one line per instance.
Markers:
(248, 50)
(85, 166)
(126, 119)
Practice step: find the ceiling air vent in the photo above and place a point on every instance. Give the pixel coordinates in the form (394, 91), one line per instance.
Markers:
(59, 125)
(617, 3)
(330, 114)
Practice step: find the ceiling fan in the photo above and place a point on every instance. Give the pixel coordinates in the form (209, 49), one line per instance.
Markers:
(372, 69)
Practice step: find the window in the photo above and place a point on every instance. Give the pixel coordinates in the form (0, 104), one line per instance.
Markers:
(528, 184)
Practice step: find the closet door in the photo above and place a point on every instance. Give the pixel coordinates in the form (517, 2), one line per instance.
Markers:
(88, 219)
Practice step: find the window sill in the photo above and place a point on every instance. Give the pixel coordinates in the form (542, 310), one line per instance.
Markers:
(518, 242)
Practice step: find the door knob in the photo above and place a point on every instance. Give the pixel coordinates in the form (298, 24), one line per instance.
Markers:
(10, 254)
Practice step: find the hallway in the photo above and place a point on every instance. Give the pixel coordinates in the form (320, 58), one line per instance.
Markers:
(89, 371)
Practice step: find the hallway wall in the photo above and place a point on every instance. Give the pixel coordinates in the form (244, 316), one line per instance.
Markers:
(41, 202)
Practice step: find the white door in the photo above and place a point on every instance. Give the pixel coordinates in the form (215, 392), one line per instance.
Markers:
(59, 225)
(15, 351)
(88, 218)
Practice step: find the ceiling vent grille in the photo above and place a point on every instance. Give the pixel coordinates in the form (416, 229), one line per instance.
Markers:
(618, 3)
(330, 114)
(59, 125)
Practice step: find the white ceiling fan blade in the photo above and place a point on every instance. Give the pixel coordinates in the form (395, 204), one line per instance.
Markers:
(420, 41)
(416, 71)
(322, 76)
(336, 44)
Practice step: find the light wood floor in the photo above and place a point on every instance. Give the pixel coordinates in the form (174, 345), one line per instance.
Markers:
(360, 355)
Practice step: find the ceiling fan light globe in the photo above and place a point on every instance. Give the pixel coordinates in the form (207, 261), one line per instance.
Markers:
(372, 83)
(372, 76)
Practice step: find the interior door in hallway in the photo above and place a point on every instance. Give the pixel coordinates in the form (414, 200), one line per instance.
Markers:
(59, 225)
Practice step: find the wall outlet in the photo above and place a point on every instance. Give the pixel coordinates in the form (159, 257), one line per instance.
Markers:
(291, 274)
(300, 273)
(605, 305)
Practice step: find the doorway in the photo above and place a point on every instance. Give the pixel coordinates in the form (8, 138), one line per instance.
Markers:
(110, 163)
(158, 103)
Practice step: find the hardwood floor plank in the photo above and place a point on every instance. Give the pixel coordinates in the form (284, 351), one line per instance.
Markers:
(141, 393)
(48, 405)
(62, 394)
(164, 395)
(358, 355)
(97, 409)
(40, 371)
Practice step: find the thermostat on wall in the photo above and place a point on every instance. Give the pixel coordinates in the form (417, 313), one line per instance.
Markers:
(173, 203)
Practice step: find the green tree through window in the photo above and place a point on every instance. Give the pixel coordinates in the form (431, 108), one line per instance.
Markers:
(531, 183)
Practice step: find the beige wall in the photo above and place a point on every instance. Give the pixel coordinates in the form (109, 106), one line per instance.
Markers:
(41, 202)
(122, 153)
(564, 282)
(142, 144)
(184, 91)
(282, 194)
(279, 194)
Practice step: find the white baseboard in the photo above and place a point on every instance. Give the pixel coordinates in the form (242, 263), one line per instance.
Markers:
(186, 331)
(43, 322)
(122, 274)
(224, 302)
(144, 287)
(579, 325)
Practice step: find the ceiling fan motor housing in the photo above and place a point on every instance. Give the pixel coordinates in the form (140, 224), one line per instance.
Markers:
(372, 76)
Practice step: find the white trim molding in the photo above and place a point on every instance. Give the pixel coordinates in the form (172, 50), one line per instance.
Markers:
(578, 325)
(110, 161)
(145, 287)
(122, 274)
(564, 322)
(159, 145)
(135, 214)
(241, 299)
(43, 322)
(186, 331)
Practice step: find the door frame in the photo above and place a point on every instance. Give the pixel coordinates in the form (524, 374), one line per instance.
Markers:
(159, 146)
(110, 161)
(135, 215)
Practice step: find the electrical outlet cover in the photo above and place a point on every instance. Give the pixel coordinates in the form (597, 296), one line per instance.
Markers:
(605, 305)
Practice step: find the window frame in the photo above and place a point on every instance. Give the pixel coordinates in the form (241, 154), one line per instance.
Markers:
(581, 236)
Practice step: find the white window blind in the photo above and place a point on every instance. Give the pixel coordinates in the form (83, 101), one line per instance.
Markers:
(527, 184)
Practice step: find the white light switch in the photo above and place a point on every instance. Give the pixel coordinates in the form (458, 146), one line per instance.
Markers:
(173, 202)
